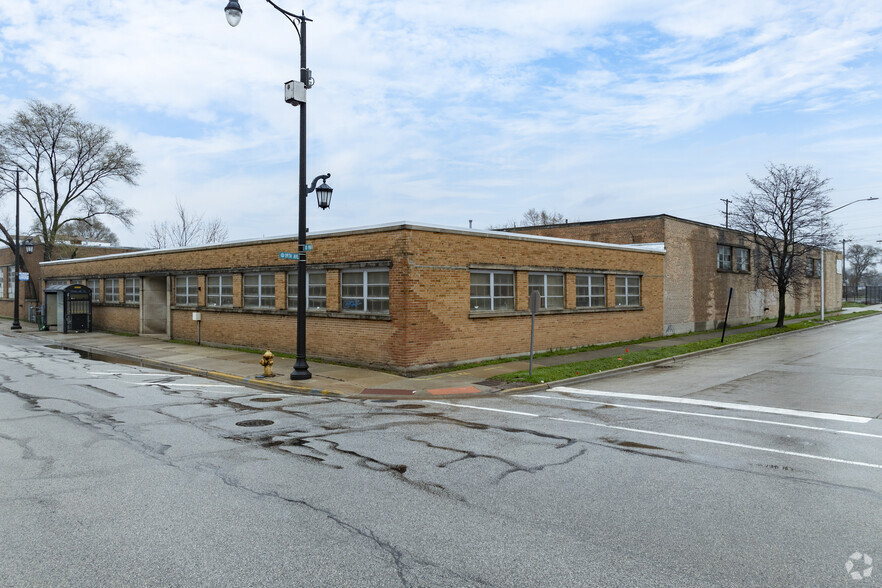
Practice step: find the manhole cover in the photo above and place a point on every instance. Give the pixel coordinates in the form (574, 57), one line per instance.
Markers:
(265, 399)
(254, 423)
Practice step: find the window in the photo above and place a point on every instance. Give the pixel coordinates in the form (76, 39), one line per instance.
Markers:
(492, 291)
(219, 290)
(133, 290)
(259, 290)
(550, 288)
(365, 291)
(93, 284)
(111, 290)
(812, 267)
(724, 257)
(186, 291)
(590, 291)
(316, 289)
(10, 282)
(627, 290)
(3, 272)
(742, 259)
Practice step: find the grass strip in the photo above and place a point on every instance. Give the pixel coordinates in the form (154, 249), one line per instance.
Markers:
(579, 368)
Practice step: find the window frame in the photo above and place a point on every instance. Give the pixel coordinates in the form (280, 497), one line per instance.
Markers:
(591, 298)
(544, 291)
(133, 297)
(736, 262)
(264, 299)
(313, 301)
(94, 284)
(624, 299)
(223, 300)
(111, 290)
(367, 301)
(493, 288)
(191, 290)
(724, 258)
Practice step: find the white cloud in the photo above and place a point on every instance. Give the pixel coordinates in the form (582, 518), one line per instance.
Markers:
(441, 112)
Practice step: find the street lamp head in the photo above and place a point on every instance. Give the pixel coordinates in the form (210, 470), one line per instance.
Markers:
(233, 12)
(323, 195)
(29, 245)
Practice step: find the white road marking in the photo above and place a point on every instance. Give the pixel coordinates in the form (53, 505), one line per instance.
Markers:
(178, 384)
(706, 415)
(729, 405)
(482, 408)
(726, 443)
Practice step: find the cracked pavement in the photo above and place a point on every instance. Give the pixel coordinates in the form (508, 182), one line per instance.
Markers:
(122, 475)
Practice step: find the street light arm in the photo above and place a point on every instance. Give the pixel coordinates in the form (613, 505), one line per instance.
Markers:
(324, 177)
(841, 207)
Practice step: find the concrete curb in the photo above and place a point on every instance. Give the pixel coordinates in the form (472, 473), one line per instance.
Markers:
(281, 386)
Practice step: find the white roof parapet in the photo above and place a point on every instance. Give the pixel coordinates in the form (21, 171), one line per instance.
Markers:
(641, 247)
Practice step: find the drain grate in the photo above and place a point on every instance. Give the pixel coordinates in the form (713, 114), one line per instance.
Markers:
(254, 423)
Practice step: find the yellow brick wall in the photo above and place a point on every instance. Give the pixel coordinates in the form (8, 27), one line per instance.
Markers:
(429, 283)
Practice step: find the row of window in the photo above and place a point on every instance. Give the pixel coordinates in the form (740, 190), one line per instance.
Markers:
(738, 259)
(360, 290)
(494, 290)
(368, 290)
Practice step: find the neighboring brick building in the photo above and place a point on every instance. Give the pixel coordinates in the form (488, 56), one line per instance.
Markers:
(400, 296)
(701, 263)
(31, 291)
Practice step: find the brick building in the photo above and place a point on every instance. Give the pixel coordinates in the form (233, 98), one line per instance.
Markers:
(702, 262)
(400, 296)
(30, 290)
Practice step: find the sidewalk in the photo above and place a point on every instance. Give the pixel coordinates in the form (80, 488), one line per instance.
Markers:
(239, 367)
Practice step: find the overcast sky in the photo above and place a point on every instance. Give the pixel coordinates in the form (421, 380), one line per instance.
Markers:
(441, 112)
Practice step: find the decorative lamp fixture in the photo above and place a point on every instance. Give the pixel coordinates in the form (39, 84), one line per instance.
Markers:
(323, 195)
(233, 12)
(29, 245)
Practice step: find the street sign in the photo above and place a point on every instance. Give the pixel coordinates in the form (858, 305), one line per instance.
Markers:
(307, 247)
(23, 276)
(286, 255)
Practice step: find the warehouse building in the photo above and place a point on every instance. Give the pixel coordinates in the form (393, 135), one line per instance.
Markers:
(702, 262)
(401, 296)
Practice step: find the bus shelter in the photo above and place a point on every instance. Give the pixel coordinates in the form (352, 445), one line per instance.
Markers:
(68, 308)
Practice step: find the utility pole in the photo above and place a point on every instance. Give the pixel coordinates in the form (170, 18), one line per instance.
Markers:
(727, 201)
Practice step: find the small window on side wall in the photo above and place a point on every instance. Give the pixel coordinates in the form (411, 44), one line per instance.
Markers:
(627, 290)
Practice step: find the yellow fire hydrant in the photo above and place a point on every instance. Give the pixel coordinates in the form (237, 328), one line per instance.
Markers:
(267, 362)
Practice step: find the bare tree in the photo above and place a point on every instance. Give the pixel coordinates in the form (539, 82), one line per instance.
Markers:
(783, 214)
(187, 229)
(66, 165)
(533, 218)
(862, 259)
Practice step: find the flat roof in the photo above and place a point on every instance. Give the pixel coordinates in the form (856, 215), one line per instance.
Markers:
(396, 226)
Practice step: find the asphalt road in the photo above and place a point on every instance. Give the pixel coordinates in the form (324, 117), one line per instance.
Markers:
(754, 466)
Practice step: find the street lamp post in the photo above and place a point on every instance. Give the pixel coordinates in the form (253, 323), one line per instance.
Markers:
(824, 216)
(295, 94)
(844, 278)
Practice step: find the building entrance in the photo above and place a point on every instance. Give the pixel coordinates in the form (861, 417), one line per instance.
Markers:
(154, 306)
